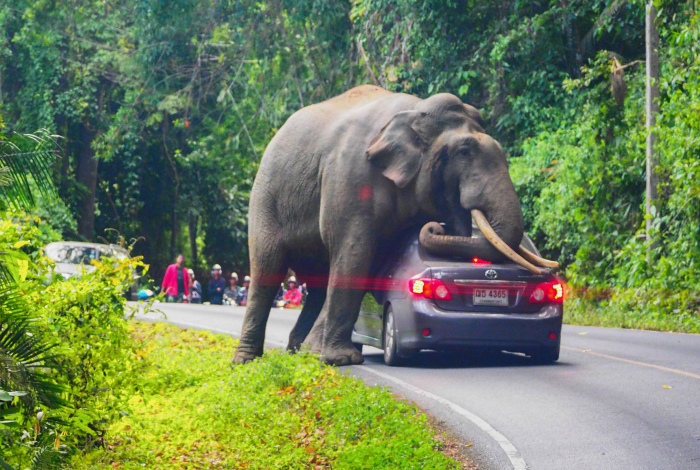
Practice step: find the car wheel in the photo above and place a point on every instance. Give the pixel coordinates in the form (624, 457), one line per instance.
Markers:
(545, 355)
(391, 355)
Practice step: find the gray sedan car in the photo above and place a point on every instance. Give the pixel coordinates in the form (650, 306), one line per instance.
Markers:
(432, 303)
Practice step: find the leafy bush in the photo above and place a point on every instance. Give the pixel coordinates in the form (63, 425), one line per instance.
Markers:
(583, 190)
(187, 408)
(79, 335)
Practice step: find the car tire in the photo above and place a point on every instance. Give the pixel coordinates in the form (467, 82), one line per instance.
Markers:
(390, 341)
(545, 355)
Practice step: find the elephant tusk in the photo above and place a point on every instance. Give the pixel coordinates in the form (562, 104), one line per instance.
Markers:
(499, 244)
(534, 259)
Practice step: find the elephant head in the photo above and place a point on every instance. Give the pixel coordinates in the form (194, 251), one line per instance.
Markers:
(440, 151)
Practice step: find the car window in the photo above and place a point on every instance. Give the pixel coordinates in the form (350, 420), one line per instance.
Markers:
(526, 242)
(118, 252)
(72, 254)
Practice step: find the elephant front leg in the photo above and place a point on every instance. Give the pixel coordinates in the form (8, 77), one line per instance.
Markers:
(266, 271)
(332, 332)
(252, 339)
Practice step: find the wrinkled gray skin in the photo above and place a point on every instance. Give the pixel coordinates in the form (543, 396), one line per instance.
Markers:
(342, 176)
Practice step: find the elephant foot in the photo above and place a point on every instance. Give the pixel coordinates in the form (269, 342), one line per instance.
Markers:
(342, 356)
(294, 346)
(313, 344)
(244, 357)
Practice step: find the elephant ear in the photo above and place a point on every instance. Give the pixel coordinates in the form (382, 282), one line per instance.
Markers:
(398, 149)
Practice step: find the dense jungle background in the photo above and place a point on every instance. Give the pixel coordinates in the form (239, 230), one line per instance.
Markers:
(164, 108)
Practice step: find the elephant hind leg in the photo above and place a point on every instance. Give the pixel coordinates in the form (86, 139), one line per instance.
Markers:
(267, 271)
(307, 317)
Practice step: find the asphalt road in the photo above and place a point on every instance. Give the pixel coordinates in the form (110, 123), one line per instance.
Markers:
(617, 399)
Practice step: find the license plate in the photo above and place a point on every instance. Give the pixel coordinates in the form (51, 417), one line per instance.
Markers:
(498, 297)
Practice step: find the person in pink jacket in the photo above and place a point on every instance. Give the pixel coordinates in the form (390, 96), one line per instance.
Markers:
(292, 296)
(176, 281)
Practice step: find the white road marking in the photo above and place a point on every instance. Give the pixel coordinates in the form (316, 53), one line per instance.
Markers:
(511, 452)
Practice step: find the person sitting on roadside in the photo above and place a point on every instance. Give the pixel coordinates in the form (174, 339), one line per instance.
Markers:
(176, 281)
(292, 297)
(231, 291)
(216, 286)
(304, 292)
(280, 295)
(195, 289)
(242, 297)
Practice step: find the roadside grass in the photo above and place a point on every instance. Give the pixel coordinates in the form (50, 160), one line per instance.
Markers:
(186, 407)
(616, 313)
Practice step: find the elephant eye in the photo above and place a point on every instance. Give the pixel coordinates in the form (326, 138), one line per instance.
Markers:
(467, 148)
(464, 151)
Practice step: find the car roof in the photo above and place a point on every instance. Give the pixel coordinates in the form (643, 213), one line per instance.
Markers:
(101, 246)
(411, 242)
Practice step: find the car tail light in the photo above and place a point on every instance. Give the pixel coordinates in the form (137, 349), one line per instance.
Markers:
(552, 291)
(480, 261)
(429, 288)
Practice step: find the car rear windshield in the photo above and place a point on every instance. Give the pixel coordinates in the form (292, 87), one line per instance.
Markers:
(72, 254)
(526, 242)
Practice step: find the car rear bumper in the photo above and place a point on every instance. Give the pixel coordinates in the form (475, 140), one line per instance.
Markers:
(449, 329)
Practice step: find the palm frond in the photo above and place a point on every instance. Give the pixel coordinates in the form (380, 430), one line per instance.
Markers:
(6, 276)
(5, 178)
(48, 458)
(26, 357)
(607, 14)
(11, 263)
(25, 157)
(4, 465)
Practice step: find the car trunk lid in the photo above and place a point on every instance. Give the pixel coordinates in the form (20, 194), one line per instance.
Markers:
(497, 288)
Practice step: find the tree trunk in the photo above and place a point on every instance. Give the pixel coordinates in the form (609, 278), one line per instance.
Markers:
(176, 190)
(652, 109)
(87, 170)
(194, 220)
(87, 177)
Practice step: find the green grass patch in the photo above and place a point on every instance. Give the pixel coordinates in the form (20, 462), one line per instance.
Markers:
(186, 407)
(637, 309)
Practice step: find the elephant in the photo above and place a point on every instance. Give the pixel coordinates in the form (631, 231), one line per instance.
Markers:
(342, 177)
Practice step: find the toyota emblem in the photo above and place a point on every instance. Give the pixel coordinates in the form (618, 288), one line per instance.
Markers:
(491, 274)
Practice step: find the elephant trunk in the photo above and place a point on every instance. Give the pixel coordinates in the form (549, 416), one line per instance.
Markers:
(502, 234)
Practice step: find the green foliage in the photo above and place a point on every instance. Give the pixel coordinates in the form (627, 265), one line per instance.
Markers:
(507, 58)
(583, 188)
(186, 407)
(645, 309)
(65, 348)
(26, 385)
(25, 159)
(178, 100)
